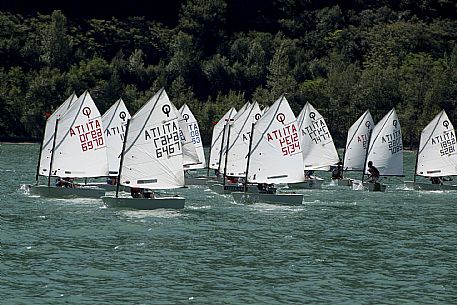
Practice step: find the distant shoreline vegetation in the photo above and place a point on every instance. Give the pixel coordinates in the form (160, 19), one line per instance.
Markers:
(342, 59)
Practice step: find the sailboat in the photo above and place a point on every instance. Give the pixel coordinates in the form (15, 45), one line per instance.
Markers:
(114, 122)
(46, 148)
(436, 155)
(151, 157)
(196, 140)
(319, 151)
(78, 149)
(234, 156)
(385, 151)
(274, 157)
(189, 153)
(356, 146)
(219, 136)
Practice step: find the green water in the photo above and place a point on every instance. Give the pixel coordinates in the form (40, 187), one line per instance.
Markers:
(339, 247)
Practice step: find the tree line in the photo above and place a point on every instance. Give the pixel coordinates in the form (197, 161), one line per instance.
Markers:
(343, 59)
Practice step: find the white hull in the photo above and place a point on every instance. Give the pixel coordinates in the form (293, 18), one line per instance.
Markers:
(145, 203)
(313, 183)
(66, 192)
(282, 199)
(429, 186)
(372, 187)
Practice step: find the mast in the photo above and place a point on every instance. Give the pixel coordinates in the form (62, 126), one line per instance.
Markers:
(417, 159)
(207, 163)
(249, 158)
(366, 155)
(342, 162)
(220, 151)
(39, 156)
(52, 152)
(226, 153)
(122, 158)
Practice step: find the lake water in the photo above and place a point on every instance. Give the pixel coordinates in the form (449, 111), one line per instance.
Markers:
(339, 247)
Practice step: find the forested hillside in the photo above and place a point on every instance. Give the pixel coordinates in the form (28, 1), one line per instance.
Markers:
(214, 54)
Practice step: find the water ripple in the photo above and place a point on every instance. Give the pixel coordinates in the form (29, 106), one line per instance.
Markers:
(340, 246)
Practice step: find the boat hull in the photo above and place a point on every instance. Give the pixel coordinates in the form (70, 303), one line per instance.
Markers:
(344, 182)
(430, 187)
(314, 183)
(375, 187)
(202, 180)
(145, 203)
(282, 199)
(228, 188)
(372, 187)
(66, 192)
(108, 187)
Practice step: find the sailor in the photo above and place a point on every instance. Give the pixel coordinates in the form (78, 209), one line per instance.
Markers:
(136, 192)
(111, 181)
(436, 180)
(308, 174)
(65, 182)
(373, 175)
(337, 172)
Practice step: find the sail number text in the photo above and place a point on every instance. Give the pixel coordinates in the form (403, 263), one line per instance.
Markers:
(90, 135)
(166, 139)
(288, 139)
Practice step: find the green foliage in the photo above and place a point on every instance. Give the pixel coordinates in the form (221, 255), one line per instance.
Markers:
(342, 59)
(55, 43)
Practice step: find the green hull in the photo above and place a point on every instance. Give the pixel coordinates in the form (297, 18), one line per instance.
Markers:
(315, 183)
(108, 187)
(430, 187)
(282, 199)
(228, 189)
(66, 192)
(203, 180)
(145, 203)
(375, 187)
(344, 182)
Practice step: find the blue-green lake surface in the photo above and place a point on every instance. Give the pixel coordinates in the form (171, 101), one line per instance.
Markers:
(340, 247)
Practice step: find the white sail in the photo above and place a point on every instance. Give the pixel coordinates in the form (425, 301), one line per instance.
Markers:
(219, 135)
(48, 137)
(319, 151)
(437, 149)
(386, 146)
(114, 122)
(240, 135)
(153, 153)
(189, 153)
(243, 108)
(80, 149)
(276, 155)
(195, 136)
(357, 142)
